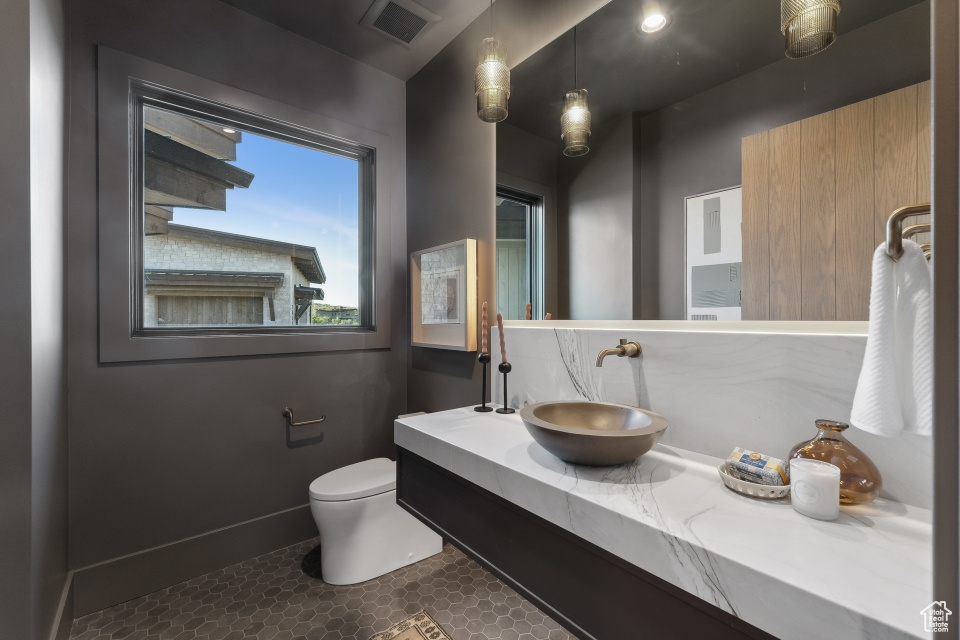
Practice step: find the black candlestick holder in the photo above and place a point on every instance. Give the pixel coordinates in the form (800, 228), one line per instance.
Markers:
(484, 359)
(505, 368)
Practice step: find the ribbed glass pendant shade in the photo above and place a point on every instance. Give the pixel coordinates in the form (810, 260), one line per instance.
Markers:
(810, 26)
(492, 81)
(575, 123)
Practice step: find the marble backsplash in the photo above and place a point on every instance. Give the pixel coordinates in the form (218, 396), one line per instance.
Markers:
(717, 389)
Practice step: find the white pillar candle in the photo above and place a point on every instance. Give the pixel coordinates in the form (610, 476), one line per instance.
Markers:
(815, 488)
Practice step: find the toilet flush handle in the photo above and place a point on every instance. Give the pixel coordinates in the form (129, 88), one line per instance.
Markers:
(288, 414)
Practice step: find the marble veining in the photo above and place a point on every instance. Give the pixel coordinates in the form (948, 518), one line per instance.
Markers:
(718, 389)
(571, 353)
(864, 576)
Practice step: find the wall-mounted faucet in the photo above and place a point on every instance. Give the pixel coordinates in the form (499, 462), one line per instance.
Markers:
(629, 349)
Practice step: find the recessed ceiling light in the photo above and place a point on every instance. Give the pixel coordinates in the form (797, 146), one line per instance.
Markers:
(654, 19)
(229, 130)
(653, 22)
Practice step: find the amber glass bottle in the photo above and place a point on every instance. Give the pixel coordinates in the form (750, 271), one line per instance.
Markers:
(860, 479)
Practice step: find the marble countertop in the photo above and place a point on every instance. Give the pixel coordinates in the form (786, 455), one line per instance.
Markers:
(866, 575)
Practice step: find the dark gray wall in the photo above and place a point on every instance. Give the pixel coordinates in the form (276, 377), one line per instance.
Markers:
(33, 462)
(450, 196)
(48, 396)
(529, 163)
(693, 146)
(526, 156)
(597, 208)
(15, 382)
(164, 451)
(451, 158)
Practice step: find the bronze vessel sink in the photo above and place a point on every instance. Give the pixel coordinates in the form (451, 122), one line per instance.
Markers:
(593, 433)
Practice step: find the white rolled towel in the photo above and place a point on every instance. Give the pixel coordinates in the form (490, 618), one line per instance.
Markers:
(895, 389)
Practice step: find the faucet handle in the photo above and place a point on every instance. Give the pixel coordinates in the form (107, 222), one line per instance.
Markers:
(630, 349)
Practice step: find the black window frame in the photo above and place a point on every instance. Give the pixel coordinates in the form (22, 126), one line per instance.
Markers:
(146, 94)
(535, 257)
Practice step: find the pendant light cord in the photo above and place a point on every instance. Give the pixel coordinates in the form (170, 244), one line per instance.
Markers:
(575, 85)
(491, 18)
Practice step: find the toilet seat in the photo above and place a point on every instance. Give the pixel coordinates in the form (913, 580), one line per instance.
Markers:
(360, 480)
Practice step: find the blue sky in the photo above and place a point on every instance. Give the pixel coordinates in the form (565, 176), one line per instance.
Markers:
(298, 195)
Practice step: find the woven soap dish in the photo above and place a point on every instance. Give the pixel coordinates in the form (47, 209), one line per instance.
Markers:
(752, 489)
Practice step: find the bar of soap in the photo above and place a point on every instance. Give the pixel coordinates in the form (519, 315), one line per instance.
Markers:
(757, 468)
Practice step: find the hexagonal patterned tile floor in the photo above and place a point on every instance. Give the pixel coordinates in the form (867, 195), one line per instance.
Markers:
(279, 596)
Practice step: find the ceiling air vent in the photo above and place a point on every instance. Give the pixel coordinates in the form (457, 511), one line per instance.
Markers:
(400, 20)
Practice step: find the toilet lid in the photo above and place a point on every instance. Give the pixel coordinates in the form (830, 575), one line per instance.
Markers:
(367, 478)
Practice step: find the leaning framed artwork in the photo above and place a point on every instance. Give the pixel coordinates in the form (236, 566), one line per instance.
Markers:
(443, 296)
(714, 255)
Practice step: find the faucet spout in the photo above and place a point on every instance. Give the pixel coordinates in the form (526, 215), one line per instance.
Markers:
(628, 349)
(617, 351)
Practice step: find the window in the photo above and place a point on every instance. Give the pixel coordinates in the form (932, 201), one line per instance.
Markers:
(244, 226)
(232, 224)
(519, 256)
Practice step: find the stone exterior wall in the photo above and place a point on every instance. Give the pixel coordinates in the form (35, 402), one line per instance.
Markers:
(171, 252)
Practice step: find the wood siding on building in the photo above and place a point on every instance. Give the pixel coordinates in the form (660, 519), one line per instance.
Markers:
(209, 310)
(816, 197)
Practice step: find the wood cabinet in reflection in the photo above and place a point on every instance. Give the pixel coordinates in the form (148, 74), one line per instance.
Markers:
(816, 197)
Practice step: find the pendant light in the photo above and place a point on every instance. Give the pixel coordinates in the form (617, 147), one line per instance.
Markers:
(491, 80)
(575, 121)
(809, 26)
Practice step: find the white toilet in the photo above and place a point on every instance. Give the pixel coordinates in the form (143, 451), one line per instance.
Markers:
(363, 533)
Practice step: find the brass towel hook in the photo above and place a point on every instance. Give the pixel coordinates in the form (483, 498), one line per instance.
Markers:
(895, 231)
(288, 414)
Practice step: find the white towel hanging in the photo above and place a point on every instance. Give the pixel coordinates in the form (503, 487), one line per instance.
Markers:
(895, 390)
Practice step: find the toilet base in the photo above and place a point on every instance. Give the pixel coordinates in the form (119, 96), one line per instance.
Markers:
(369, 537)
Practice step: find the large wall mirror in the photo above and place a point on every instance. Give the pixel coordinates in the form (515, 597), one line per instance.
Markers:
(723, 179)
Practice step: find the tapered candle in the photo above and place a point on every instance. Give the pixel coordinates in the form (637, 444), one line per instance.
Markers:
(548, 316)
(484, 328)
(529, 314)
(503, 339)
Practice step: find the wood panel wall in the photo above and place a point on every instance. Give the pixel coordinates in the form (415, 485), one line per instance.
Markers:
(756, 246)
(816, 197)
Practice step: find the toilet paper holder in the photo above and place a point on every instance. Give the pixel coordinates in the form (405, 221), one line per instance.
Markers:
(288, 414)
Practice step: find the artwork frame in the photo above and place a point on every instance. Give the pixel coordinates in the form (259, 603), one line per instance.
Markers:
(713, 255)
(443, 296)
